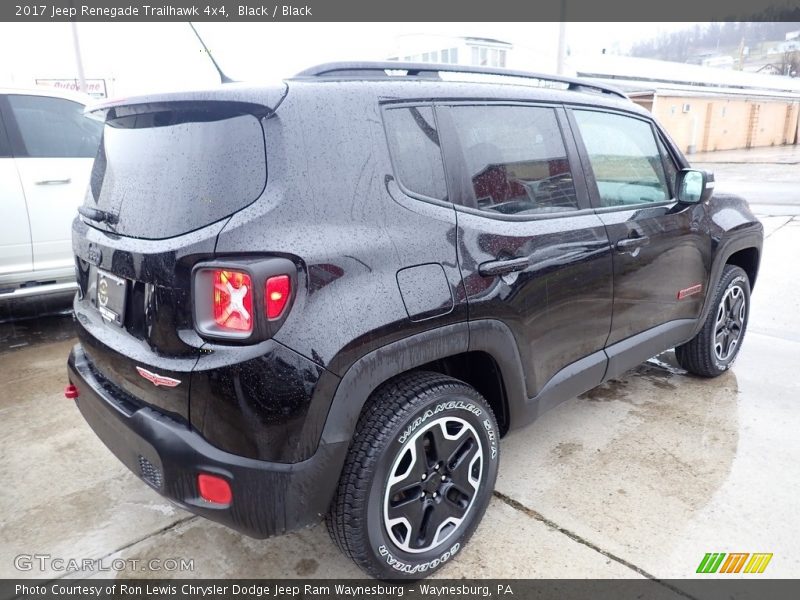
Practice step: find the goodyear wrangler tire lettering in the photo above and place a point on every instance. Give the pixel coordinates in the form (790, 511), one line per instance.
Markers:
(399, 565)
(418, 477)
(439, 408)
(492, 437)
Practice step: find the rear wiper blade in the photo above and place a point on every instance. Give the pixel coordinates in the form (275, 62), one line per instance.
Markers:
(100, 216)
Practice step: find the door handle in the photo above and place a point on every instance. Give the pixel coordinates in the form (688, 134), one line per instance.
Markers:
(629, 244)
(501, 267)
(54, 181)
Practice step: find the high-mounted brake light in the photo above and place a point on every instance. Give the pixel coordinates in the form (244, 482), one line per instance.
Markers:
(233, 300)
(277, 292)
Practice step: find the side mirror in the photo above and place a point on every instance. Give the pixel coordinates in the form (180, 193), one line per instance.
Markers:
(693, 186)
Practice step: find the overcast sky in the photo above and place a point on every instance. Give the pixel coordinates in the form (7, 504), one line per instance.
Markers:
(141, 57)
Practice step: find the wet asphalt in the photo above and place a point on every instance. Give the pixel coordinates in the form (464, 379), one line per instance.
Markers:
(640, 477)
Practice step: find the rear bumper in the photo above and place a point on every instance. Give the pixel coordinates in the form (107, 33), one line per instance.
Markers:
(268, 498)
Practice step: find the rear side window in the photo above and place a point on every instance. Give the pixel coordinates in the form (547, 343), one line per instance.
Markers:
(54, 128)
(415, 149)
(625, 159)
(513, 160)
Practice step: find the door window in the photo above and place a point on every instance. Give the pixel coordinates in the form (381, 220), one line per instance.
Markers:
(624, 157)
(414, 146)
(54, 128)
(513, 160)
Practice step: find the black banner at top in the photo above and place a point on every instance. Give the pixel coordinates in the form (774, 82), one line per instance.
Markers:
(399, 10)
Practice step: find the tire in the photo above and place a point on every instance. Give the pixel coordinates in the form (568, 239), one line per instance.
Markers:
(712, 351)
(395, 448)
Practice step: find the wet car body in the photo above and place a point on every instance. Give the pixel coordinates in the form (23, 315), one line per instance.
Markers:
(384, 282)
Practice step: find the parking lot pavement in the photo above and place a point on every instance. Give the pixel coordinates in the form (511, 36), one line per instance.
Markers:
(780, 155)
(74, 499)
(768, 177)
(639, 477)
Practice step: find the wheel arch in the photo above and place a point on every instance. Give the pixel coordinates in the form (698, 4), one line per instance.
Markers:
(742, 249)
(483, 354)
(748, 260)
(480, 370)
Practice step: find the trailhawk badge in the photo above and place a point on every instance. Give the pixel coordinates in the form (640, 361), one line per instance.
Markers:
(157, 379)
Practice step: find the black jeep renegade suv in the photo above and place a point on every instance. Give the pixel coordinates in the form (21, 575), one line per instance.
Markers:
(332, 296)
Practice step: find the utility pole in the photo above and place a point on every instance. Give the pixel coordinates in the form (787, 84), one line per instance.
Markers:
(78, 60)
(562, 44)
(562, 39)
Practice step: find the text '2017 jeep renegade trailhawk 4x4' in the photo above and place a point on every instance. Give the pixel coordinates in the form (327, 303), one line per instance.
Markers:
(334, 295)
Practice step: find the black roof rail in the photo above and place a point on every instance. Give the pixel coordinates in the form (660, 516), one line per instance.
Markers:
(359, 70)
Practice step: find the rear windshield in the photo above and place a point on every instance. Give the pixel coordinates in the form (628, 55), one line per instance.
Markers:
(167, 173)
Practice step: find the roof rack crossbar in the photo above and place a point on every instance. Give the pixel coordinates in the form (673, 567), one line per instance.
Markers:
(378, 69)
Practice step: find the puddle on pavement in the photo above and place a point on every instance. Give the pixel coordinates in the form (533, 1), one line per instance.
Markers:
(659, 371)
(610, 390)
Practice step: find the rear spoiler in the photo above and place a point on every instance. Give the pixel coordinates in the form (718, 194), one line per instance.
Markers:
(258, 100)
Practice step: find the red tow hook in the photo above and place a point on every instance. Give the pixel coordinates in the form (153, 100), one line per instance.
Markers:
(71, 392)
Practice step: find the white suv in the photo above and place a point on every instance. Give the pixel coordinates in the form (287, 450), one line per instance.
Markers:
(47, 146)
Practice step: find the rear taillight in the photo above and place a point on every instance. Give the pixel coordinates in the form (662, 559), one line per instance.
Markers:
(233, 301)
(244, 300)
(277, 292)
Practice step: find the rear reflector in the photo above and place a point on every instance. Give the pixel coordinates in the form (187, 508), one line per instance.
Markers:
(71, 392)
(233, 300)
(278, 289)
(214, 489)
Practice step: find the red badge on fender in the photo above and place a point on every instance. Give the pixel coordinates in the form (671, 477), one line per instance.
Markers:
(690, 291)
(157, 379)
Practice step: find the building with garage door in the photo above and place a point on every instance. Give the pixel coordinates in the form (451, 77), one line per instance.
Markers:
(705, 109)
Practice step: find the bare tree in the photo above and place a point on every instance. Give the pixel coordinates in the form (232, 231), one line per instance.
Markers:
(790, 63)
(725, 37)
